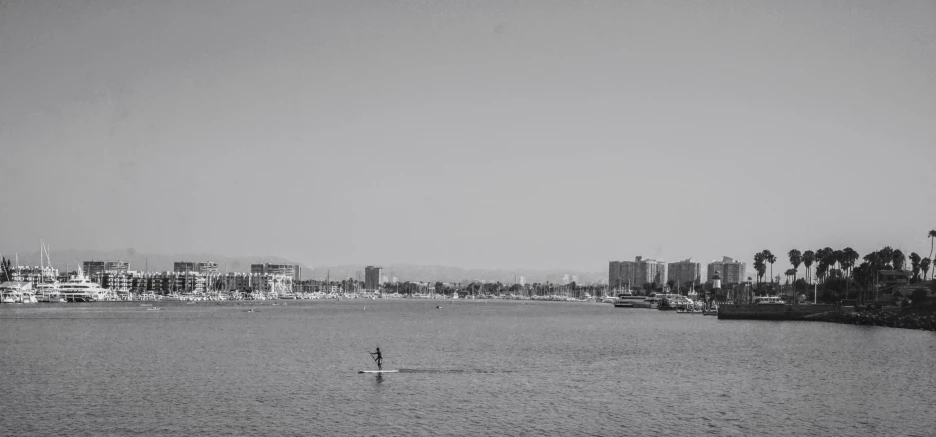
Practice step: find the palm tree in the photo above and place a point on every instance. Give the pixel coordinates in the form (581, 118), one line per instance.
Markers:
(759, 266)
(887, 255)
(825, 258)
(925, 265)
(808, 258)
(898, 260)
(847, 258)
(850, 257)
(796, 258)
(791, 273)
(915, 266)
(770, 258)
(932, 237)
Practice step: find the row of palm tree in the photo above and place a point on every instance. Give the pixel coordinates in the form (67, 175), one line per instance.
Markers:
(842, 264)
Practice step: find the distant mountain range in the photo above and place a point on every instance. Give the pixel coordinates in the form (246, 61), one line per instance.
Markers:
(69, 259)
(413, 272)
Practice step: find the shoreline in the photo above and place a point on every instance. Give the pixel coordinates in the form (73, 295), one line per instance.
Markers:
(923, 319)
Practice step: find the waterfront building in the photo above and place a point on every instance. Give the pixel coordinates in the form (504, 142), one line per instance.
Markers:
(33, 274)
(372, 278)
(268, 283)
(292, 271)
(205, 268)
(628, 275)
(684, 271)
(98, 268)
(117, 281)
(235, 281)
(731, 271)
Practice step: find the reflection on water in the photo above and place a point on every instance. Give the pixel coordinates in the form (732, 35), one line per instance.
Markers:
(485, 368)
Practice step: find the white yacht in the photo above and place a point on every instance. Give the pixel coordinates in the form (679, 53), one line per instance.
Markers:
(49, 292)
(651, 302)
(627, 300)
(769, 300)
(47, 288)
(81, 289)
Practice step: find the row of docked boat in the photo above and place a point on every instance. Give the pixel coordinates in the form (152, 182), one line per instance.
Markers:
(77, 289)
(665, 302)
(680, 304)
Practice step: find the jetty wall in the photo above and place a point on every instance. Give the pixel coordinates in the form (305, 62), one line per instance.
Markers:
(771, 312)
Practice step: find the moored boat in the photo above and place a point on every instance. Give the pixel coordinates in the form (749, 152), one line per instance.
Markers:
(80, 289)
(626, 300)
(17, 292)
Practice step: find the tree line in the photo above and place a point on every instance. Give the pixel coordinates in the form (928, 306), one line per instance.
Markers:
(838, 269)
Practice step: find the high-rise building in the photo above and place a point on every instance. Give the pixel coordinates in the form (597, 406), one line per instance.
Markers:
(634, 274)
(684, 271)
(372, 278)
(204, 268)
(291, 271)
(730, 271)
(97, 268)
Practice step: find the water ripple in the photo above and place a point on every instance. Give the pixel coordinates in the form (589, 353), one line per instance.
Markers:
(500, 368)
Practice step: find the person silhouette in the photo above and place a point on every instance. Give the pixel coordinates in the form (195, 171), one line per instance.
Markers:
(377, 358)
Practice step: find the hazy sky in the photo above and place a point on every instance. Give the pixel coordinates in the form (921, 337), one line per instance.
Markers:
(476, 134)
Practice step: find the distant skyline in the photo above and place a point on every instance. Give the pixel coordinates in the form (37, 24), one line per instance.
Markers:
(511, 135)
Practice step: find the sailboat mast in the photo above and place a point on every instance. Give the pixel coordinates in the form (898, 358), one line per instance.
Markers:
(41, 271)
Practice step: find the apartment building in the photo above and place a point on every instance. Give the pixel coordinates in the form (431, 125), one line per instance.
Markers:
(205, 268)
(684, 271)
(633, 274)
(731, 271)
(292, 271)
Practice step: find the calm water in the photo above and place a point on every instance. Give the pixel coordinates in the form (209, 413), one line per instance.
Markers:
(469, 368)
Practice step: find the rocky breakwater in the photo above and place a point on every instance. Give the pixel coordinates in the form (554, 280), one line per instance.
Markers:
(921, 317)
(771, 312)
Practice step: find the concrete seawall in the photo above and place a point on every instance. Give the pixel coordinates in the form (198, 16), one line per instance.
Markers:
(771, 312)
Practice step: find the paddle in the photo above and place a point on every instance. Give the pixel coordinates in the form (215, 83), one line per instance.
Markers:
(374, 357)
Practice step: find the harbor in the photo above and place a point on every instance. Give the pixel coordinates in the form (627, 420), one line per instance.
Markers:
(500, 367)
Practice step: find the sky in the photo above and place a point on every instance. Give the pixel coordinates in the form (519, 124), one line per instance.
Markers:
(478, 134)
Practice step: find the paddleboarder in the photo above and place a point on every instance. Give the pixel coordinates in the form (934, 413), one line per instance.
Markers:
(377, 358)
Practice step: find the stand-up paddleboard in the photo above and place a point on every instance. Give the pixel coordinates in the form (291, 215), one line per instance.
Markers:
(378, 371)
